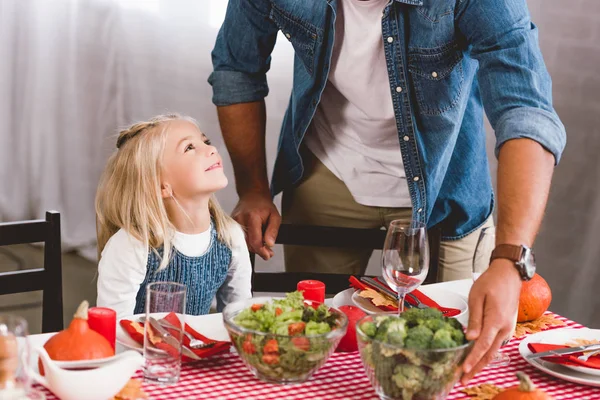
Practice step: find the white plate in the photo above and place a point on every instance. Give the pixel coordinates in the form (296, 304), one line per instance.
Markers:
(444, 298)
(210, 325)
(562, 336)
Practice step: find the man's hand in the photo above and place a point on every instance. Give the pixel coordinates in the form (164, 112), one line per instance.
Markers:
(493, 304)
(254, 211)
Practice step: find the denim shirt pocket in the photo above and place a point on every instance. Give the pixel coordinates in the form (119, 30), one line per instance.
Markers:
(438, 76)
(301, 34)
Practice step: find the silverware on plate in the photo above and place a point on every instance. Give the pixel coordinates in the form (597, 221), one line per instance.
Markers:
(562, 352)
(194, 343)
(170, 339)
(389, 292)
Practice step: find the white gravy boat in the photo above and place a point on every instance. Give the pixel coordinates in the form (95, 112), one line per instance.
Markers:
(100, 381)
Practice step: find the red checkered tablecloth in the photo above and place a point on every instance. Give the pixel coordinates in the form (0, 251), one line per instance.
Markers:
(343, 377)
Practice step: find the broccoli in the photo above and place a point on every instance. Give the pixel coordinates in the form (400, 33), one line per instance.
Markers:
(418, 316)
(382, 325)
(404, 370)
(393, 331)
(369, 329)
(308, 314)
(411, 316)
(384, 371)
(442, 339)
(430, 313)
(418, 337)
(435, 324)
(458, 336)
(409, 377)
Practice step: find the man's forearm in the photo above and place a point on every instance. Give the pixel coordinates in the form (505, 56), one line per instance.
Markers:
(243, 127)
(524, 174)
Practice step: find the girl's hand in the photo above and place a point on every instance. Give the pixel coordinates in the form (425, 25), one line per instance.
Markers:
(255, 211)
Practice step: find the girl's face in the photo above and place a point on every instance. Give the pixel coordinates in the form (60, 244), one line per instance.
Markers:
(191, 166)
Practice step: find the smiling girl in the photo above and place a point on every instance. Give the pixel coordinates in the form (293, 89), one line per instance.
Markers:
(158, 220)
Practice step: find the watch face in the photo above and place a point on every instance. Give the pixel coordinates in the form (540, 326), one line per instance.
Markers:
(529, 263)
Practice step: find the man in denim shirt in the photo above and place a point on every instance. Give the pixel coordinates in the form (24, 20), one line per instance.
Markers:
(443, 62)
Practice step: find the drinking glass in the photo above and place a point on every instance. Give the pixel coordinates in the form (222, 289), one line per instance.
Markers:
(15, 382)
(405, 257)
(162, 361)
(481, 261)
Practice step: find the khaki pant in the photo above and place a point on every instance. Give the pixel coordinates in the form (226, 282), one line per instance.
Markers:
(323, 199)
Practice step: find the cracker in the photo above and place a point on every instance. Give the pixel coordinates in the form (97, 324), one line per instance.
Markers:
(485, 391)
(131, 391)
(582, 342)
(378, 299)
(542, 323)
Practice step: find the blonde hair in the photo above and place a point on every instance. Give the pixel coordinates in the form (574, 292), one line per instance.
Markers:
(129, 194)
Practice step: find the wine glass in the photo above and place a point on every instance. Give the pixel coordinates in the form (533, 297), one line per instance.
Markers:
(405, 257)
(481, 261)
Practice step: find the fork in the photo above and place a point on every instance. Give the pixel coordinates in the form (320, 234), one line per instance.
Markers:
(418, 302)
(194, 343)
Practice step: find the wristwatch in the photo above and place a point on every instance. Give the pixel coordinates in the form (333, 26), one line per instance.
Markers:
(522, 256)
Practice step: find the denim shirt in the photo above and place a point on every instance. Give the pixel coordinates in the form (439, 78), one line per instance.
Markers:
(447, 60)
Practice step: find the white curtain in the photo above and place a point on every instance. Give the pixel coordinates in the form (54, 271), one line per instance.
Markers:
(73, 71)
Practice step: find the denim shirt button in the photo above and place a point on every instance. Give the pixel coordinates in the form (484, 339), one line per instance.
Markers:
(390, 39)
(399, 89)
(416, 179)
(406, 138)
(287, 35)
(434, 74)
(420, 210)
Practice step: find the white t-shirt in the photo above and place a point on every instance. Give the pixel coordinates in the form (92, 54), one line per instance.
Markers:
(122, 268)
(354, 129)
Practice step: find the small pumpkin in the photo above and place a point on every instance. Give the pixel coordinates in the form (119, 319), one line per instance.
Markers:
(78, 341)
(526, 390)
(534, 299)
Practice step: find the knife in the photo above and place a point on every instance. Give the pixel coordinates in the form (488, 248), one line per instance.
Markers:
(170, 339)
(561, 352)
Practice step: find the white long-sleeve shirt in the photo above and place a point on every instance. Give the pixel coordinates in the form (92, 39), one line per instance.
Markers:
(122, 268)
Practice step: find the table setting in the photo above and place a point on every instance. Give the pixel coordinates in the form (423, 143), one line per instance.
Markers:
(383, 337)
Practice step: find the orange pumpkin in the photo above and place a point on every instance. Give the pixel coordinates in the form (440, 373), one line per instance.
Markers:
(78, 341)
(534, 300)
(526, 390)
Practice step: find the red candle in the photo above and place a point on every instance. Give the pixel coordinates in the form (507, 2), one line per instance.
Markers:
(104, 321)
(312, 290)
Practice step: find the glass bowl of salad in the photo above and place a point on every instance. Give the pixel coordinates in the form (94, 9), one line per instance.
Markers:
(284, 340)
(417, 355)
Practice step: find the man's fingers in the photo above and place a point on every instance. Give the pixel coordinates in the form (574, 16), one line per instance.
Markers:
(476, 305)
(254, 233)
(482, 345)
(274, 222)
(485, 359)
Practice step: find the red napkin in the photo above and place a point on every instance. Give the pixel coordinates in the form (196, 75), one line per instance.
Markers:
(448, 312)
(136, 331)
(567, 359)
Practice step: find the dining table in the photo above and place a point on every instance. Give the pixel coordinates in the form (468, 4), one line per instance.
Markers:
(343, 377)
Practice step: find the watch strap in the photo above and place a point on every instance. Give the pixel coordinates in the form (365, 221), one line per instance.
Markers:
(509, 251)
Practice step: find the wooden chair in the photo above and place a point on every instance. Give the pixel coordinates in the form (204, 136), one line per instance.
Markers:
(328, 236)
(47, 279)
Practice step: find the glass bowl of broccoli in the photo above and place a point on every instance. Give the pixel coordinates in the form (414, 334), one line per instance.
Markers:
(415, 356)
(284, 340)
